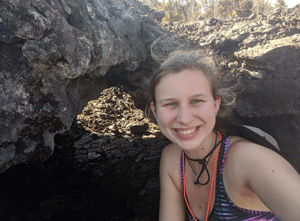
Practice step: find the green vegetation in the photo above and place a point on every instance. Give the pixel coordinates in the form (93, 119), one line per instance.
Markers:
(191, 10)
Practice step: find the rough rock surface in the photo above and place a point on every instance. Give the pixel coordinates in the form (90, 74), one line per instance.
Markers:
(108, 176)
(54, 55)
(114, 114)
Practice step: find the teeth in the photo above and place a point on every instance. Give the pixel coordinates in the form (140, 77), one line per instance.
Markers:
(186, 131)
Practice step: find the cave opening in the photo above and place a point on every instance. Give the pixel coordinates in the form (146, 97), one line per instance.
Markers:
(105, 166)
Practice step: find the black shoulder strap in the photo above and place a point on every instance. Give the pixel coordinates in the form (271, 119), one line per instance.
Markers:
(237, 129)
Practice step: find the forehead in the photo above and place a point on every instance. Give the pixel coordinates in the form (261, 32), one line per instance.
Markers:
(184, 83)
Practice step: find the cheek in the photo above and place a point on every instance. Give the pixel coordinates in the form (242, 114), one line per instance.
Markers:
(165, 115)
(206, 110)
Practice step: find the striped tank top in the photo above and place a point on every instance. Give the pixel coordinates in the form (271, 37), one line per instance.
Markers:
(224, 208)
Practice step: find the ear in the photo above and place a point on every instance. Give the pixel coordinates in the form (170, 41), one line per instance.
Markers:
(217, 103)
(152, 107)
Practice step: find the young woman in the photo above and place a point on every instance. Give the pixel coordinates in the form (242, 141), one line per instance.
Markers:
(204, 174)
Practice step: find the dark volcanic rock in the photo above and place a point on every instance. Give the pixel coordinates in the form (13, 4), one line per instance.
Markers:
(96, 173)
(89, 177)
(105, 167)
(54, 55)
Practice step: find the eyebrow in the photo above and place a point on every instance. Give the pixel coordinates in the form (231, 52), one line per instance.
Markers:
(198, 95)
(171, 99)
(167, 99)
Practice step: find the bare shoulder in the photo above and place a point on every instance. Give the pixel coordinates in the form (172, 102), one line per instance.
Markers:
(171, 150)
(170, 163)
(247, 158)
(253, 169)
(244, 150)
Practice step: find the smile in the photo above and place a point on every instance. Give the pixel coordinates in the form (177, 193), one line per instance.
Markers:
(187, 133)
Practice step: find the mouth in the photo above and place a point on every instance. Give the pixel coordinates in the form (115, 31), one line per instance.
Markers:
(187, 133)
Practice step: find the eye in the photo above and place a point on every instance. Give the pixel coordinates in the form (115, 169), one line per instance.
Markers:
(196, 101)
(172, 104)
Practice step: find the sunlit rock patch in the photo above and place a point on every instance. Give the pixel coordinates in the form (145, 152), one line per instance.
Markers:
(115, 114)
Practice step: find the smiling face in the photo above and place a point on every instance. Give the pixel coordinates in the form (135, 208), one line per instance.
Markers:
(185, 109)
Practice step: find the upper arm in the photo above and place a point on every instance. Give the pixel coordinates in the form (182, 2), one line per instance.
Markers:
(171, 197)
(273, 180)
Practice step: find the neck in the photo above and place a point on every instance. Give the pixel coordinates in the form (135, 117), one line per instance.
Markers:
(205, 163)
(204, 148)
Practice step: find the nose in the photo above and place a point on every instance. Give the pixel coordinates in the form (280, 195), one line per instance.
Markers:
(184, 115)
